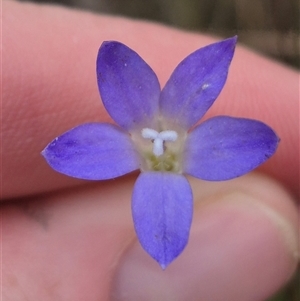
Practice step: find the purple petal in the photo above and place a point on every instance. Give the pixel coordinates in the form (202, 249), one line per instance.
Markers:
(162, 208)
(223, 148)
(196, 83)
(92, 151)
(128, 86)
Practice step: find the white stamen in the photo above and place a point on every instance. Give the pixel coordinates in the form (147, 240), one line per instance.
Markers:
(168, 135)
(158, 147)
(158, 139)
(149, 133)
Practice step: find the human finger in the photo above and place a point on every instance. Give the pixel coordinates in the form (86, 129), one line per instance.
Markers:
(49, 86)
(242, 247)
(80, 244)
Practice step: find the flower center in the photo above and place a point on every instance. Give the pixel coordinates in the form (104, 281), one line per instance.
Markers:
(158, 139)
(160, 151)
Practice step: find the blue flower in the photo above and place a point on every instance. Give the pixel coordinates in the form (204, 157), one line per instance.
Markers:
(154, 135)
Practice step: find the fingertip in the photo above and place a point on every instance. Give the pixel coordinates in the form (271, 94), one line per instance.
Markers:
(240, 248)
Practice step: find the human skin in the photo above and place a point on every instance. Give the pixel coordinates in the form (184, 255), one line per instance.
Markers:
(66, 239)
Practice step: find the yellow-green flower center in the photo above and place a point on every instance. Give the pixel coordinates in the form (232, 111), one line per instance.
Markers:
(159, 150)
(168, 161)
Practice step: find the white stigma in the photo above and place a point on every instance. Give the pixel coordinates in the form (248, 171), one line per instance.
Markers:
(158, 139)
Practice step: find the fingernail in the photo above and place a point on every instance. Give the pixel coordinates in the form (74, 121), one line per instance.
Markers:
(239, 250)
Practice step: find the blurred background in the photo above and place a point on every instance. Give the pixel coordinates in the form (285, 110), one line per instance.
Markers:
(268, 26)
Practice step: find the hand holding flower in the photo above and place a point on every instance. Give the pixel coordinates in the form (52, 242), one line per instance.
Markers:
(77, 242)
